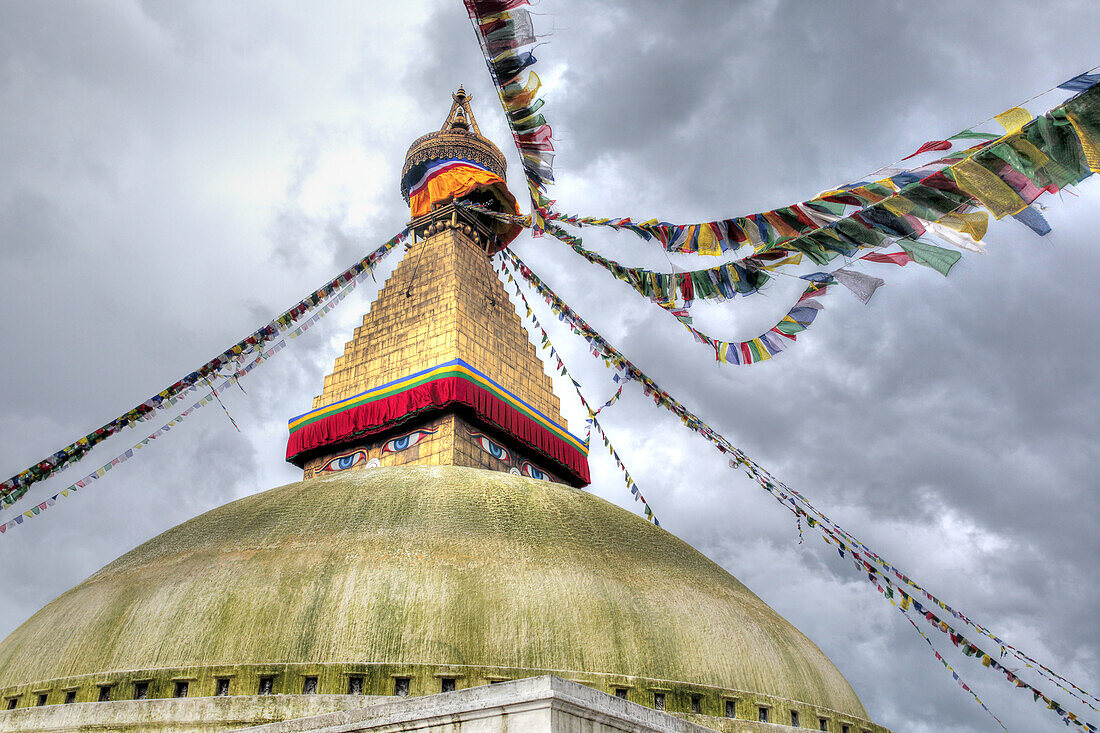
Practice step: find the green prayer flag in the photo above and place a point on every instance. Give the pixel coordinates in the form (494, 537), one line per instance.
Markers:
(971, 135)
(929, 255)
(831, 207)
(1014, 159)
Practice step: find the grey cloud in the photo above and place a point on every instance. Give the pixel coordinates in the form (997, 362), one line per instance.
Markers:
(158, 201)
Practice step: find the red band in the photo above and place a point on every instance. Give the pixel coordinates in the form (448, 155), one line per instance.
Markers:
(383, 414)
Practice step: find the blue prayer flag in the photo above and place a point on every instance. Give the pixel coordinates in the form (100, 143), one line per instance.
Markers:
(1080, 83)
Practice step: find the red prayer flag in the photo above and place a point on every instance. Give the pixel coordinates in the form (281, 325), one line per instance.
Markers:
(929, 146)
(896, 258)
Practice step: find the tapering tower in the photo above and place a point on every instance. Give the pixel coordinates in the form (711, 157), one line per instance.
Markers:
(441, 371)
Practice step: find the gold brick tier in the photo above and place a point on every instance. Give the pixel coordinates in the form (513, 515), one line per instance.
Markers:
(443, 302)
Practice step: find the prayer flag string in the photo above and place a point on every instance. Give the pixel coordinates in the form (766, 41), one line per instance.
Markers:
(16, 487)
(803, 508)
(766, 345)
(1005, 176)
(262, 356)
(545, 344)
(503, 28)
(1003, 173)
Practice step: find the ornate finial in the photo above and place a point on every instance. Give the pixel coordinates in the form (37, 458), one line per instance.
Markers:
(459, 137)
(460, 120)
(461, 116)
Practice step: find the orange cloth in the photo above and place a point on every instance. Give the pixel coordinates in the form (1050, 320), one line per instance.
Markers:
(456, 182)
(461, 180)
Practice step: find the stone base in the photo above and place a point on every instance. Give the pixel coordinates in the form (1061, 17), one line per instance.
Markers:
(545, 704)
(176, 715)
(533, 705)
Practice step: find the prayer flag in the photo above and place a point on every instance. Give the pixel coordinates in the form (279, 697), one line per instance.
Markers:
(930, 146)
(938, 258)
(971, 135)
(1013, 119)
(1080, 83)
(962, 240)
(863, 286)
(896, 258)
(1031, 218)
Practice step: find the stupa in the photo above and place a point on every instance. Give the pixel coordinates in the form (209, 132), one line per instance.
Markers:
(439, 543)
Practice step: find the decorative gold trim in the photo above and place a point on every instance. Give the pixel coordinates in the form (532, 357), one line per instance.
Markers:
(455, 139)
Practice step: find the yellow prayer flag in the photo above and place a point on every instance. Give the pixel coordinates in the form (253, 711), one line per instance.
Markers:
(1013, 119)
(794, 259)
(708, 241)
(761, 349)
(898, 205)
(984, 185)
(524, 97)
(888, 183)
(1037, 157)
(974, 223)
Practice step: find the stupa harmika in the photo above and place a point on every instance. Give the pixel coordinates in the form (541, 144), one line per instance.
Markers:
(439, 542)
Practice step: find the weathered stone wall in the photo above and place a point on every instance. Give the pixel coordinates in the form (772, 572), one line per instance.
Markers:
(380, 683)
(190, 715)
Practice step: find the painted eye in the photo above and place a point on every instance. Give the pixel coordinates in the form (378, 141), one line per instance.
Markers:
(527, 469)
(496, 451)
(404, 442)
(343, 463)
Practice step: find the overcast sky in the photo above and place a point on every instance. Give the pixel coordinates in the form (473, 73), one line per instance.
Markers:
(174, 174)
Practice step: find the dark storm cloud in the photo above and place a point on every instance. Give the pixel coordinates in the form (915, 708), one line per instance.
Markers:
(175, 174)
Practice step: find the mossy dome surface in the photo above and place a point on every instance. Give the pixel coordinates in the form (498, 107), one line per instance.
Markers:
(425, 566)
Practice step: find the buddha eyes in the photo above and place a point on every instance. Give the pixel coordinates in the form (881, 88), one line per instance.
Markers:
(342, 463)
(496, 451)
(396, 445)
(529, 470)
